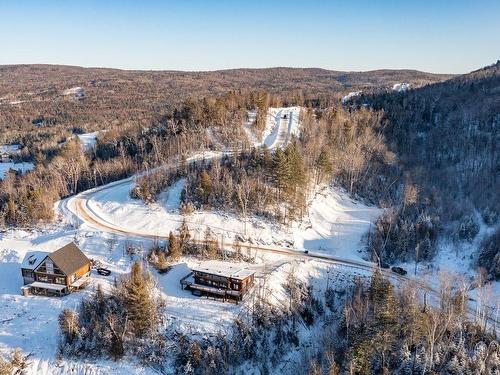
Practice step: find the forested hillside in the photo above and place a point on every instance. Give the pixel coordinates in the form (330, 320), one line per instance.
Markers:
(39, 100)
(446, 139)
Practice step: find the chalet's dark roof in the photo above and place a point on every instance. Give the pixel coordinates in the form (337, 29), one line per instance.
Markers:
(69, 258)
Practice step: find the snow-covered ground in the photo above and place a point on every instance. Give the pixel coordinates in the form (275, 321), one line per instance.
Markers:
(351, 95)
(30, 323)
(459, 259)
(401, 87)
(281, 124)
(10, 149)
(334, 223)
(88, 140)
(21, 167)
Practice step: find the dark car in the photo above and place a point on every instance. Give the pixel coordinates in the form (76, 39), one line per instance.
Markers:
(103, 271)
(399, 270)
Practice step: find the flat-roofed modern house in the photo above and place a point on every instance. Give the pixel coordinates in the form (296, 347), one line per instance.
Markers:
(220, 279)
(57, 273)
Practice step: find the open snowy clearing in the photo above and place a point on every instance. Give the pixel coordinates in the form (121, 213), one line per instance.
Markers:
(334, 224)
(88, 140)
(20, 167)
(281, 124)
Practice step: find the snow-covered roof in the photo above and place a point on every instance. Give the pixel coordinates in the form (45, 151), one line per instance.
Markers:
(225, 269)
(32, 259)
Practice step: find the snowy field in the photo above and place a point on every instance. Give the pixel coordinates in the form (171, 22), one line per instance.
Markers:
(20, 167)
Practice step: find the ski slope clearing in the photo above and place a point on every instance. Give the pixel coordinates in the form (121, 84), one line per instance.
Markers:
(88, 140)
(281, 125)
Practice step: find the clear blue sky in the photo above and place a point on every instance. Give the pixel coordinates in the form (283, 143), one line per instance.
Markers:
(452, 36)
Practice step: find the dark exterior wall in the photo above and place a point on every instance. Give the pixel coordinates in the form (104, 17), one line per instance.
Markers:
(223, 282)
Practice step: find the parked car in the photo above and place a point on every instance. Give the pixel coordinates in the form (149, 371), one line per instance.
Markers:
(103, 271)
(399, 270)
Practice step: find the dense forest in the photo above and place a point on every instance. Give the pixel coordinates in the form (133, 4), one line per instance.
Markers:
(445, 137)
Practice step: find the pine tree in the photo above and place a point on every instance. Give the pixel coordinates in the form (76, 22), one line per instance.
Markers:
(142, 309)
(162, 263)
(281, 170)
(205, 186)
(184, 236)
(174, 248)
(211, 248)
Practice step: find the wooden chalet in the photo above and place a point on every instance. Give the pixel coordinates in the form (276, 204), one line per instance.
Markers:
(4, 156)
(219, 279)
(7, 152)
(57, 273)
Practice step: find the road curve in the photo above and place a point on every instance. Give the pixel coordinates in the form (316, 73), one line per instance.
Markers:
(77, 207)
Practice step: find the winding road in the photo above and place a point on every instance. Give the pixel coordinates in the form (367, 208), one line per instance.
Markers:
(78, 208)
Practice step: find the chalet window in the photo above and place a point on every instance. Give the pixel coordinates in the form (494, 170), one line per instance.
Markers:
(60, 280)
(49, 265)
(28, 273)
(43, 279)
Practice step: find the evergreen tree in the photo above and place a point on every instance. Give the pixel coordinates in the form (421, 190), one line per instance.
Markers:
(211, 248)
(184, 236)
(142, 309)
(281, 170)
(174, 248)
(323, 166)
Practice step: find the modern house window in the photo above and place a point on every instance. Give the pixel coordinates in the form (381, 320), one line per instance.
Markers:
(60, 280)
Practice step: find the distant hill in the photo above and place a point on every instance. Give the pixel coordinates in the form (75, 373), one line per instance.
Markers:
(77, 96)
